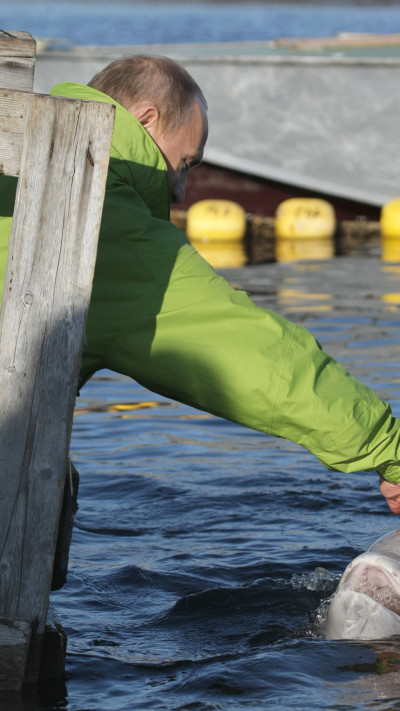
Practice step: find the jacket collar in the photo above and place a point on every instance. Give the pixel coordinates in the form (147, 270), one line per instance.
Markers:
(134, 158)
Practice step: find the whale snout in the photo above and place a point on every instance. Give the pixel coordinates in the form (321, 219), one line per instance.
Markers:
(366, 604)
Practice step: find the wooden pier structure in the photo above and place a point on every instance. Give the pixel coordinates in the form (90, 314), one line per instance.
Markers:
(59, 149)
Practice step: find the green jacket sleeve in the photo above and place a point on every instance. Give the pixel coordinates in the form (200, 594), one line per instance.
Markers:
(160, 314)
(185, 333)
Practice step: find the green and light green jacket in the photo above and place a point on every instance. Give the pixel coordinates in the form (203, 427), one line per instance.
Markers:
(160, 314)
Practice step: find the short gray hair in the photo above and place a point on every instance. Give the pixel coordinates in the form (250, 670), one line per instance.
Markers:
(160, 80)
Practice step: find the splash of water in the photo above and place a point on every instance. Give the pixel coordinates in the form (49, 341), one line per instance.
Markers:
(320, 580)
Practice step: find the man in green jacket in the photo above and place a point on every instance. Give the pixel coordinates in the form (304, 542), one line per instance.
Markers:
(160, 314)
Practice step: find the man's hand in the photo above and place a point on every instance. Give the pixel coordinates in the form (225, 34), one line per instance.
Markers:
(391, 492)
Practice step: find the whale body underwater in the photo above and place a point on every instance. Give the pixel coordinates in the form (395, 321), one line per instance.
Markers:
(366, 604)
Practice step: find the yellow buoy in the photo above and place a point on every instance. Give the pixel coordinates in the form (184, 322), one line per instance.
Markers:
(390, 231)
(304, 229)
(217, 229)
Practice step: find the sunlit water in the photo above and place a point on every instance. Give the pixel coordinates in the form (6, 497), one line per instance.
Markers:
(204, 554)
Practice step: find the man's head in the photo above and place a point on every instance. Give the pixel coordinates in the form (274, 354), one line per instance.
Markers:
(168, 103)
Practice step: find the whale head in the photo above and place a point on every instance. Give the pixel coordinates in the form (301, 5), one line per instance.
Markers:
(366, 604)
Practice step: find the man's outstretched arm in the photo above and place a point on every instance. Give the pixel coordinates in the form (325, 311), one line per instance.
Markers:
(203, 343)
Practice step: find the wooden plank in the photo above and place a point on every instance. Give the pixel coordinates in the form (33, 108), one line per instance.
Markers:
(16, 74)
(359, 237)
(17, 60)
(17, 44)
(69, 509)
(15, 637)
(14, 107)
(260, 239)
(54, 648)
(47, 290)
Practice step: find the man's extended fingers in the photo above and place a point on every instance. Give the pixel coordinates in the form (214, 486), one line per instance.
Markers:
(391, 492)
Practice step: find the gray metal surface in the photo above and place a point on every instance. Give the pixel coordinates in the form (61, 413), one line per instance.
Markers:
(328, 122)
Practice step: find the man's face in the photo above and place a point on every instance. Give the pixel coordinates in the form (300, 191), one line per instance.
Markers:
(182, 148)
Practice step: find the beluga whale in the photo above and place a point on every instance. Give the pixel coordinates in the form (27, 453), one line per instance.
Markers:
(366, 604)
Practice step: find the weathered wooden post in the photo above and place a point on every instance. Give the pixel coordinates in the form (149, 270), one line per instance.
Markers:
(17, 60)
(59, 148)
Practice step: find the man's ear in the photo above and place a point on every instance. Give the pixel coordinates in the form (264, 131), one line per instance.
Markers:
(148, 116)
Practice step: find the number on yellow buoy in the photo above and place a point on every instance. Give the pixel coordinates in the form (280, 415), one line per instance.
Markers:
(217, 229)
(304, 229)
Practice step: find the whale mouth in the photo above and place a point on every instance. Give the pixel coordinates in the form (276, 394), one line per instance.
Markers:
(366, 604)
(380, 584)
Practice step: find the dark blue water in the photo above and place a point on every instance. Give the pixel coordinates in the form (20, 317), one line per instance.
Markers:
(204, 554)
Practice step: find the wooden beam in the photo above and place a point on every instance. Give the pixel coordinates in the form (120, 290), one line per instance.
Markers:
(17, 60)
(47, 289)
(17, 44)
(14, 108)
(15, 637)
